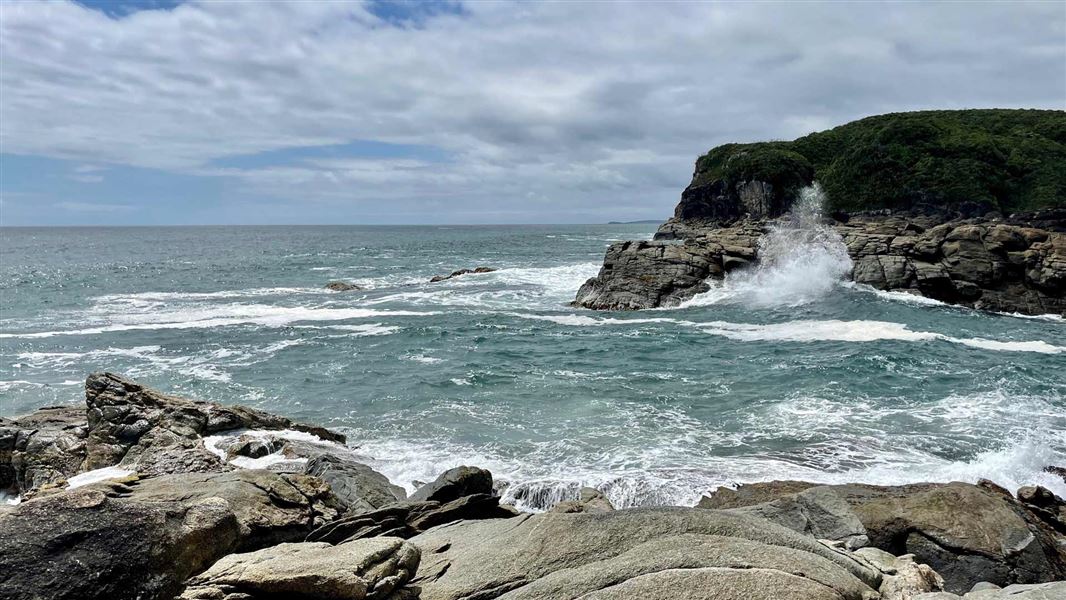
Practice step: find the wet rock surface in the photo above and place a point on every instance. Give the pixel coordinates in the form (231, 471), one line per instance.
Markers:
(320, 524)
(342, 286)
(990, 265)
(475, 270)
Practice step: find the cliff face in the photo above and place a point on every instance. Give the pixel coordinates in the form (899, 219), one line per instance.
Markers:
(918, 199)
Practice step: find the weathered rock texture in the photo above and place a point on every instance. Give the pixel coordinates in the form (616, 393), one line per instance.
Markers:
(371, 569)
(673, 553)
(1015, 264)
(141, 539)
(647, 274)
(1038, 591)
(145, 430)
(992, 265)
(357, 486)
(136, 428)
(458, 494)
(43, 448)
(966, 533)
(985, 264)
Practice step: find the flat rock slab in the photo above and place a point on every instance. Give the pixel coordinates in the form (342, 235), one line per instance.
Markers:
(675, 553)
(369, 569)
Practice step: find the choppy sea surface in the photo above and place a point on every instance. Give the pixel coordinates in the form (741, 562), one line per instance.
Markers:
(785, 372)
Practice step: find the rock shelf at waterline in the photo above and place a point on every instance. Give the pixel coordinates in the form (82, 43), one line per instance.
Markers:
(145, 495)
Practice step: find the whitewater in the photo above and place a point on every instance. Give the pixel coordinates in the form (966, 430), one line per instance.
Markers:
(784, 371)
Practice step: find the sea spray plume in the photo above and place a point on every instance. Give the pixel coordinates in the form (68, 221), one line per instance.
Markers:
(800, 260)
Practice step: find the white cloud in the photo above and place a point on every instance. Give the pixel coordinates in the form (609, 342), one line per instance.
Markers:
(592, 104)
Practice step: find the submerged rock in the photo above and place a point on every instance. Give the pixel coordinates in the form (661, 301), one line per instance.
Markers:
(371, 569)
(668, 553)
(437, 278)
(341, 286)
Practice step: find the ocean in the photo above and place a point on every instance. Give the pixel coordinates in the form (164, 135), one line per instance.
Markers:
(784, 372)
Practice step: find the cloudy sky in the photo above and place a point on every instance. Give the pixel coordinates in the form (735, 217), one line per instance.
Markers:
(159, 112)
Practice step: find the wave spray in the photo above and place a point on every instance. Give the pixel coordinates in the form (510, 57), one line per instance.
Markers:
(800, 260)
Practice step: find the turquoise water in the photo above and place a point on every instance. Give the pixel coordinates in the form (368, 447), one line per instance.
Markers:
(787, 374)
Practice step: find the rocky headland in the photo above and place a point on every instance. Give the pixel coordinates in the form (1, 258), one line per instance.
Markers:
(143, 495)
(964, 207)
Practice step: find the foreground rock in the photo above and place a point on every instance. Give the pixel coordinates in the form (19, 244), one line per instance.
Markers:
(357, 486)
(966, 533)
(43, 448)
(372, 569)
(668, 553)
(462, 493)
(437, 278)
(1040, 591)
(153, 433)
(141, 539)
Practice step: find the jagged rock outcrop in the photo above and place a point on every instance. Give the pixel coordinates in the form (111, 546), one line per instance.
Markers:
(648, 274)
(984, 264)
(43, 448)
(140, 539)
(134, 427)
(151, 432)
(674, 553)
(457, 494)
(990, 265)
(437, 278)
(966, 533)
(370, 569)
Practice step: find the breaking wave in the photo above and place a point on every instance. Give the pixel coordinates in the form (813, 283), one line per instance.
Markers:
(801, 259)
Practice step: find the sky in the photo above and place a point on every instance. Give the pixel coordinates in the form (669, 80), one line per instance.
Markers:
(158, 112)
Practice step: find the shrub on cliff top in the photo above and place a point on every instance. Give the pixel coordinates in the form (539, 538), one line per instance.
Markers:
(1007, 160)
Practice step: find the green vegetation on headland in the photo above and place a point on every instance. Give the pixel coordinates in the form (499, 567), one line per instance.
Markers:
(975, 160)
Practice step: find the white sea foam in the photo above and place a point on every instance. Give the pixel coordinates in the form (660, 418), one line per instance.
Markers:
(223, 316)
(895, 295)
(507, 288)
(97, 475)
(172, 296)
(218, 444)
(800, 260)
(422, 358)
(10, 499)
(807, 331)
